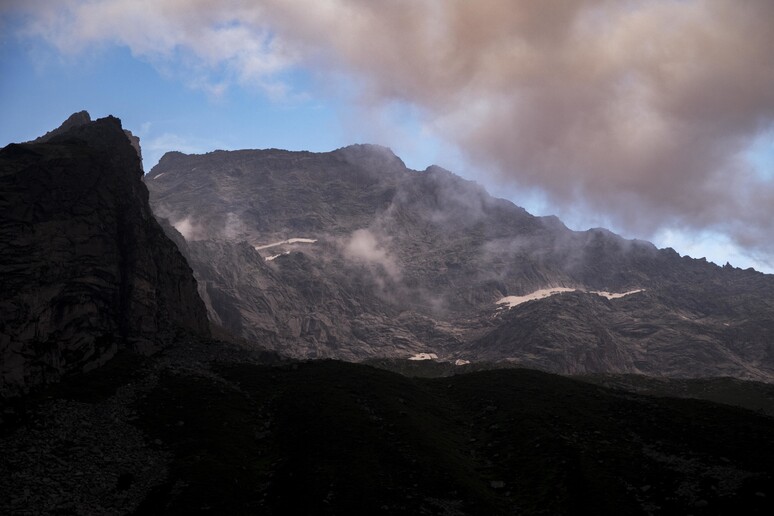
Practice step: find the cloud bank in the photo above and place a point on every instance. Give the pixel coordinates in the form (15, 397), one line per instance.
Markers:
(640, 110)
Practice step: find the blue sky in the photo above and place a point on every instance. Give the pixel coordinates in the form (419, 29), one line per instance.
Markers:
(628, 146)
(42, 87)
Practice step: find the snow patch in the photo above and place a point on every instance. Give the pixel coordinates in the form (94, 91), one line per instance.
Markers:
(288, 241)
(511, 301)
(460, 361)
(301, 240)
(424, 356)
(612, 295)
(158, 176)
(270, 258)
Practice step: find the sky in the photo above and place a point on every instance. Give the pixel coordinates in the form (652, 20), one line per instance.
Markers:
(652, 118)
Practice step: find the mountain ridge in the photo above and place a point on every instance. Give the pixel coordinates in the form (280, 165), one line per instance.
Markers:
(393, 245)
(168, 420)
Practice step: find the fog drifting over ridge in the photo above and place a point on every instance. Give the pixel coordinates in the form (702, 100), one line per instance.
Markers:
(640, 110)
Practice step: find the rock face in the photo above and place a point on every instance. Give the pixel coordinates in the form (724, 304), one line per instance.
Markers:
(349, 254)
(75, 120)
(82, 118)
(85, 268)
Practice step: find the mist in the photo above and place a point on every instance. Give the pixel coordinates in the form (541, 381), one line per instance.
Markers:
(364, 247)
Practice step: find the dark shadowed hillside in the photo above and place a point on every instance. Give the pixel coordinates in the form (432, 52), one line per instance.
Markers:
(195, 430)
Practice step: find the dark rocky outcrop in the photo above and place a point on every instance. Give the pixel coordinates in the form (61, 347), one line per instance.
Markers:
(85, 268)
(82, 118)
(188, 434)
(75, 120)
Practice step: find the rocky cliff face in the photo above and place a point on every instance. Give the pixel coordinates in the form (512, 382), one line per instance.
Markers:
(349, 254)
(85, 268)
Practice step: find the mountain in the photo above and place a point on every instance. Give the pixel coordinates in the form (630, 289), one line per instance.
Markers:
(85, 269)
(351, 255)
(117, 400)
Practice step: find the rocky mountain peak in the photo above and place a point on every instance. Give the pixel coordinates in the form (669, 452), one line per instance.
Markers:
(82, 118)
(75, 120)
(371, 157)
(85, 269)
(171, 157)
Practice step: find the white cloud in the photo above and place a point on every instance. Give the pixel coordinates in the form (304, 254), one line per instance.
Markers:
(189, 229)
(210, 44)
(363, 246)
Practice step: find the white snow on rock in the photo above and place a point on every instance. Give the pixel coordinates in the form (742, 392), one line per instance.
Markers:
(301, 241)
(511, 301)
(288, 241)
(424, 356)
(158, 176)
(270, 258)
(612, 295)
(460, 361)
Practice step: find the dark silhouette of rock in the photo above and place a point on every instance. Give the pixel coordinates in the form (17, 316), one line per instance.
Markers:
(85, 268)
(81, 118)
(75, 120)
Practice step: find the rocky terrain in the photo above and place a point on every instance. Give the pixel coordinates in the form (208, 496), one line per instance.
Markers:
(207, 428)
(117, 400)
(351, 255)
(85, 269)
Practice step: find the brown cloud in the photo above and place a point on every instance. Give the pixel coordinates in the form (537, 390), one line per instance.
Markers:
(636, 109)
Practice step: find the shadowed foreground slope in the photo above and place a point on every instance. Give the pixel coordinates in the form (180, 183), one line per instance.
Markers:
(191, 435)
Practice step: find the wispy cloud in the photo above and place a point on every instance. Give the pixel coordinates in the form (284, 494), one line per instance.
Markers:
(209, 44)
(364, 246)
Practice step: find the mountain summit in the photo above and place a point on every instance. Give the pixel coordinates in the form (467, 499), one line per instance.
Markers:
(85, 269)
(349, 254)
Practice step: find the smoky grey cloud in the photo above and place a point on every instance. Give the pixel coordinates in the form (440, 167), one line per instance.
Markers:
(638, 110)
(364, 246)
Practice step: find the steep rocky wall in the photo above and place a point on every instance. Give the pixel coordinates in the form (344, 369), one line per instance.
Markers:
(84, 267)
(406, 262)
